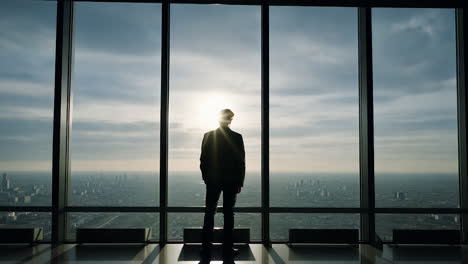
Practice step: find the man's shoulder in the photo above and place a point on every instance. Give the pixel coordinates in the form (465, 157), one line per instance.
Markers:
(208, 133)
(235, 133)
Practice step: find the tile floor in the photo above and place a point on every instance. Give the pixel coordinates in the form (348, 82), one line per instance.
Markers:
(253, 254)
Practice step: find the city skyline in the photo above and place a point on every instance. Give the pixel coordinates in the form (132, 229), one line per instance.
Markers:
(303, 191)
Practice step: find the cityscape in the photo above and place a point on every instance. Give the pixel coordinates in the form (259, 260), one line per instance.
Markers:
(187, 189)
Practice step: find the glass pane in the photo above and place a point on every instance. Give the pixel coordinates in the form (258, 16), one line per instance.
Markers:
(116, 89)
(179, 221)
(314, 118)
(415, 102)
(385, 223)
(281, 223)
(27, 70)
(215, 64)
(113, 220)
(28, 220)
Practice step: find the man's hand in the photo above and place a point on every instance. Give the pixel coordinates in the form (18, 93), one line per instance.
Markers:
(238, 189)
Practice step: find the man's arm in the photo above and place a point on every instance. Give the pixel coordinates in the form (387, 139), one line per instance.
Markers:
(242, 161)
(203, 158)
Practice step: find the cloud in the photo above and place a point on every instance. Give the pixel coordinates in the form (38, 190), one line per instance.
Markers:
(25, 88)
(117, 165)
(407, 62)
(436, 105)
(24, 140)
(23, 164)
(117, 111)
(24, 112)
(109, 76)
(216, 30)
(119, 28)
(421, 23)
(216, 50)
(115, 132)
(313, 60)
(202, 72)
(95, 140)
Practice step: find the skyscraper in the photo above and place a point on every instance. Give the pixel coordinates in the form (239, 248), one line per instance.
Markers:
(5, 182)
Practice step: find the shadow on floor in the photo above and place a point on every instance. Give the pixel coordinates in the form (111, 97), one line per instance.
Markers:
(275, 256)
(142, 253)
(192, 253)
(427, 253)
(21, 253)
(322, 253)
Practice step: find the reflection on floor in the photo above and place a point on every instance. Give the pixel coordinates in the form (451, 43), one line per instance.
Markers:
(254, 253)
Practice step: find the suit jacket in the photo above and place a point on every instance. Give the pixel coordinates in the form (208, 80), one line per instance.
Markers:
(222, 159)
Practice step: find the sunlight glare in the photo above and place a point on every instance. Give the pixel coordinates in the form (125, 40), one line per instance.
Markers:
(208, 109)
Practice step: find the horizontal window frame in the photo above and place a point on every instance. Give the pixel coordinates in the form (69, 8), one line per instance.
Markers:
(271, 210)
(329, 3)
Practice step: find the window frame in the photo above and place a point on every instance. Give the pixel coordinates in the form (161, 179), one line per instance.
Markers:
(367, 210)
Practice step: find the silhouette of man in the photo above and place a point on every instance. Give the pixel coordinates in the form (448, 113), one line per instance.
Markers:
(222, 163)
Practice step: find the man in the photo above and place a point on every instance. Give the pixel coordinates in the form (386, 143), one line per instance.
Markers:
(222, 163)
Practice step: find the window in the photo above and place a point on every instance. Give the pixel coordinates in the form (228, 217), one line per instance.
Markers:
(27, 70)
(415, 102)
(215, 64)
(314, 125)
(116, 89)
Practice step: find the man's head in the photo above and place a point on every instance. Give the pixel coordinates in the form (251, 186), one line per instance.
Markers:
(225, 117)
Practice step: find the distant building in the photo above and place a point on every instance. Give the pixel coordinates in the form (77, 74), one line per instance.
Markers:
(11, 217)
(5, 182)
(399, 196)
(322, 193)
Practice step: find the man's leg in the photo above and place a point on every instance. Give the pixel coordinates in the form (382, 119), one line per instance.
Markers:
(212, 197)
(229, 200)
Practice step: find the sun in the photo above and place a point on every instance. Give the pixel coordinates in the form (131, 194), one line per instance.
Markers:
(208, 107)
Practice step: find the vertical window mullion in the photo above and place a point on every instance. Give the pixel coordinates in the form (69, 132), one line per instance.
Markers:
(265, 140)
(366, 127)
(62, 119)
(165, 48)
(462, 119)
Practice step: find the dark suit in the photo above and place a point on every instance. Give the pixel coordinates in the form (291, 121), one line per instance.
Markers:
(222, 162)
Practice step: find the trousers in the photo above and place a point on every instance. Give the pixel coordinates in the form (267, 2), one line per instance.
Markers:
(229, 200)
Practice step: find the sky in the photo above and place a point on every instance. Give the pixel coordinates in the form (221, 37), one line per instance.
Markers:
(215, 64)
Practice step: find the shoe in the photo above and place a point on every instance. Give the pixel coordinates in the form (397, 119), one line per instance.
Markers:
(230, 253)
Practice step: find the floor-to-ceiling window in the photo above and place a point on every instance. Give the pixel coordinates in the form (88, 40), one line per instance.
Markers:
(314, 115)
(27, 61)
(116, 111)
(415, 116)
(214, 64)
